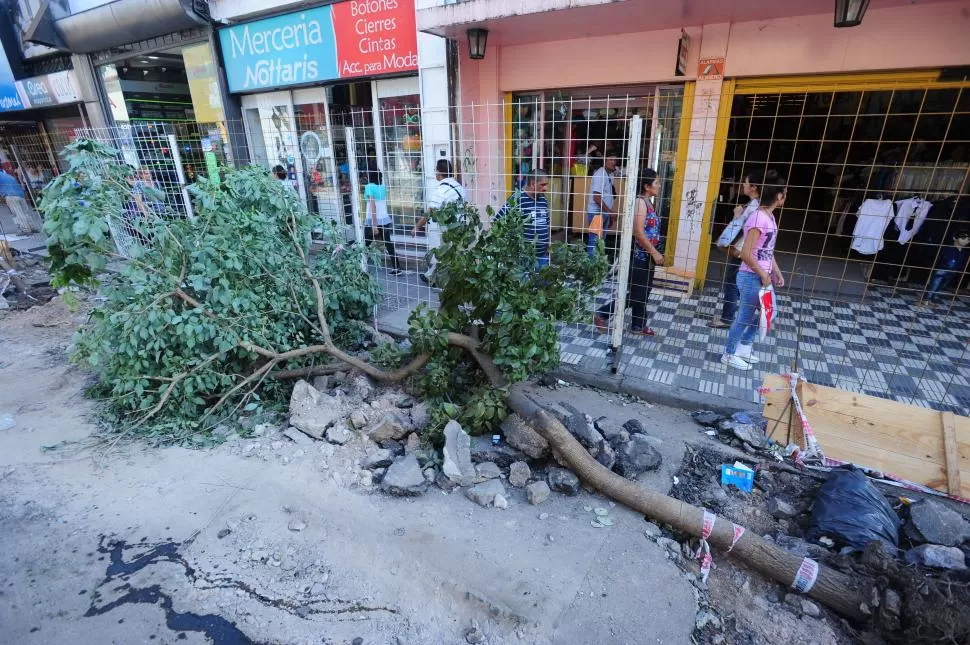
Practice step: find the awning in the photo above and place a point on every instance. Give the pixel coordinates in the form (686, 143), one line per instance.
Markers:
(113, 24)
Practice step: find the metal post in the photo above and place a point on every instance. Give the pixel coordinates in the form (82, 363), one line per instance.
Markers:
(626, 235)
(355, 189)
(173, 145)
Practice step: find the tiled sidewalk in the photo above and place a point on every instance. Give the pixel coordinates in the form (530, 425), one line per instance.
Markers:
(882, 345)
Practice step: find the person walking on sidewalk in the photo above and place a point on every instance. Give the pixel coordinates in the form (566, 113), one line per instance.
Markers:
(448, 191)
(731, 241)
(378, 223)
(599, 208)
(646, 256)
(758, 269)
(531, 202)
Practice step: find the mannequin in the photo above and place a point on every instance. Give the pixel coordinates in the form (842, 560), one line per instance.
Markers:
(949, 266)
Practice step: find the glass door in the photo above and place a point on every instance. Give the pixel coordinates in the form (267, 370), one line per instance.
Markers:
(272, 136)
(315, 136)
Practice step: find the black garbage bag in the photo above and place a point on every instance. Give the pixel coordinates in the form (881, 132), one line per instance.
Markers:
(851, 511)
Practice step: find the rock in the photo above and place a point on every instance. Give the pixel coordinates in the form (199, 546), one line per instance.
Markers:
(672, 546)
(396, 447)
(793, 600)
(800, 547)
(746, 432)
(772, 595)
(652, 530)
(502, 455)
(357, 641)
(380, 458)
(405, 402)
(706, 418)
(420, 417)
(361, 387)
(312, 411)
(457, 464)
(633, 426)
(892, 603)
(607, 456)
(520, 435)
(781, 510)
(581, 427)
(637, 456)
(412, 444)
(378, 474)
(656, 442)
(392, 426)
(607, 428)
(487, 470)
(519, 474)
(621, 438)
(339, 435)
(937, 524)
(430, 474)
(358, 419)
(484, 494)
(321, 383)
(223, 533)
(937, 557)
(404, 477)
(444, 482)
(297, 437)
(810, 609)
(500, 502)
(296, 525)
(474, 636)
(705, 618)
(537, 492)
(563, 481)
(366, 478)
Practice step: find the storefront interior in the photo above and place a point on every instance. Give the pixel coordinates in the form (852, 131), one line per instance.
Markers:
(839, 149)
(568, 132)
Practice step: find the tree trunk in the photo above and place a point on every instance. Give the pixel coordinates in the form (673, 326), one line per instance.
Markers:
(831, 587)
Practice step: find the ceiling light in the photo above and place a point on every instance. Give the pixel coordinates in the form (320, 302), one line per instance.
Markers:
(477, 38)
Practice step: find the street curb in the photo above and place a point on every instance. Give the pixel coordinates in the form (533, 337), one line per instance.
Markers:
(658, 393)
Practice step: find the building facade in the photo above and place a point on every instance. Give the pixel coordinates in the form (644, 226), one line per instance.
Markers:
(727, 88)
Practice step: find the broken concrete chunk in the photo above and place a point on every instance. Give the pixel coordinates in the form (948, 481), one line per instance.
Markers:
(404, 477)
(392, 426)
(380, 458)
(937, 557)
(321, 383)
(706, 418)
(937, 524)
(484, 494)
(338, 434)
(502, 455)
(520, 435)
(537, 492)
(563, 481)
(607, 428)
(488, 470)
(311, 411)
(637, 456)
(519, 474)
(298, 437)
(581, 427)
(781, 510)
(412, 444)
(420, 417)
(633, 426)
(358, 419)
(607, 456)
(457, 464)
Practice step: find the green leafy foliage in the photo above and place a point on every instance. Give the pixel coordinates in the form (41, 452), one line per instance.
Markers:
(491, 289)
(185, 302)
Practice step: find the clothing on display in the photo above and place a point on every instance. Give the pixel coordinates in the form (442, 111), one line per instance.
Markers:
(910, 215)
(874, 217)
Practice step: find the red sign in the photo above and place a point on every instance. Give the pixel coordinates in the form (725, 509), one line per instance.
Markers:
(375, 37)
(710, 69)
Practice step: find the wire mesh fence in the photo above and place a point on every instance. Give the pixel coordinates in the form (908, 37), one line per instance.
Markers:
(868, 237)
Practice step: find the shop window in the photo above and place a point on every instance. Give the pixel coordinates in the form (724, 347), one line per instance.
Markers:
(403, 157)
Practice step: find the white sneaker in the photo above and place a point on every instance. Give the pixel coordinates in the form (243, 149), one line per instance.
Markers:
(732, 360)
(744, 352)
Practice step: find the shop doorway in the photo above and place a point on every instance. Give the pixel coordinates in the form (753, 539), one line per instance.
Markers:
(842, 147)
(568, 133)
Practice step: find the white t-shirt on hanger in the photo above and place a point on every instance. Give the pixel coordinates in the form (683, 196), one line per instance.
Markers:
(916, 208)
(874, 217)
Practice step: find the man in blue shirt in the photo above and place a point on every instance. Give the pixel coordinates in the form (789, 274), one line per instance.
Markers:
(531, 201)
(23, 215)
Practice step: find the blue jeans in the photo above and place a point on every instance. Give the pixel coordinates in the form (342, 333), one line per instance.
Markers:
(745, 324)
(941, 280)
(731, 293)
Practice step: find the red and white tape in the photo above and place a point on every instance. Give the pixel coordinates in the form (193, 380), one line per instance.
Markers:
(805, 576)
(704, 550)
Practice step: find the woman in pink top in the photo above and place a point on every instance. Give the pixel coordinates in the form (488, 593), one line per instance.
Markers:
(758, 269)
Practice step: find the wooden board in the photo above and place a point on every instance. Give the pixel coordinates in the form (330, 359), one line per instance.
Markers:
(924, 446)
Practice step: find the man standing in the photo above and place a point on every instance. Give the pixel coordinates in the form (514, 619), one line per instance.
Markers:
(447, 191)
(531, 201)
(599, 208)
(11, 189)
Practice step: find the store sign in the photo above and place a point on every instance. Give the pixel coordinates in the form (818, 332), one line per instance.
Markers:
(9, 96)
(710, 69)
(344, 40)
(683, 49)
(51, 89)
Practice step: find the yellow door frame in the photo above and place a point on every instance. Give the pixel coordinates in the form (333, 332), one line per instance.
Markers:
(922, 79)
(683, 139)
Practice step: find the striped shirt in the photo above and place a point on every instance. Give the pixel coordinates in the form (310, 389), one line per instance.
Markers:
(536, 211)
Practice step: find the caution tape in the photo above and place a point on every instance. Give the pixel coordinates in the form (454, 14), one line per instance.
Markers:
(738, 532)
(704, 549)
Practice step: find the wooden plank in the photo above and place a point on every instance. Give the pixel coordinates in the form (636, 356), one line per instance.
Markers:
(950, 452)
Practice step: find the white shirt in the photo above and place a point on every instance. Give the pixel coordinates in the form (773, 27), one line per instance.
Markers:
(602, 183)
(915, 208)
(447, 191)
(874, 217)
